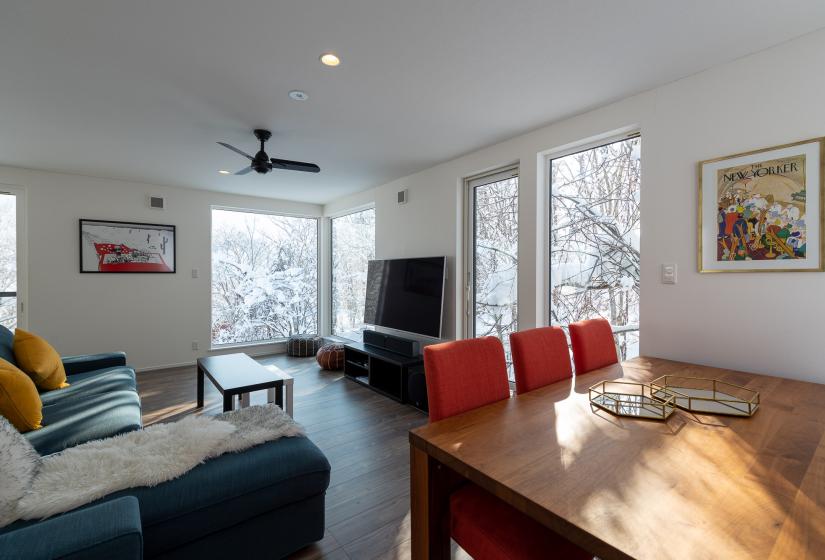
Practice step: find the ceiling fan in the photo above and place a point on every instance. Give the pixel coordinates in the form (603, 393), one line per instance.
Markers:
(262, 163)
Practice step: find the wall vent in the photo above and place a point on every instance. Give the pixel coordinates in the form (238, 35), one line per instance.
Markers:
(157, 202)
(402, 196)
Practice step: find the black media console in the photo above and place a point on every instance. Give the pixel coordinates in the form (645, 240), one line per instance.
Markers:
(384, 371)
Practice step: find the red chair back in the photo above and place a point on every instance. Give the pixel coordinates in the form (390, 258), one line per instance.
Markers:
(540, 357)
(593, 345)
(464, 374)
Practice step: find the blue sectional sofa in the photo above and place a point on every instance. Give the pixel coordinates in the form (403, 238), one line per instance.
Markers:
(267, 501)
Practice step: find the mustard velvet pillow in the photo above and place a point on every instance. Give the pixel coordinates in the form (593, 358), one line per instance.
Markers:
(19, 400)
(36, 357)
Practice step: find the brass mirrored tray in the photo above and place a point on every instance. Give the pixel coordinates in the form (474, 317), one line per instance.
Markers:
(631, 399)
(707, 396)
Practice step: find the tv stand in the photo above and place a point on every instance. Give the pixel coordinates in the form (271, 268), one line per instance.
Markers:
(381, 370)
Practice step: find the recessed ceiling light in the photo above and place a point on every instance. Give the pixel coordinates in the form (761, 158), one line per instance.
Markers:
(223, 172)
(298, 95)
(329, 59)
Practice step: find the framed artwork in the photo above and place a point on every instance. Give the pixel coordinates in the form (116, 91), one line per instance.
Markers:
(126, 247)
(762, 211)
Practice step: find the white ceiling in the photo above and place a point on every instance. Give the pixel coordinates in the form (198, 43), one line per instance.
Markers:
(142, 89)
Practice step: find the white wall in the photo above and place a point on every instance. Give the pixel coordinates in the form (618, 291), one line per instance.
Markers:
(152, 317)
(767, 323)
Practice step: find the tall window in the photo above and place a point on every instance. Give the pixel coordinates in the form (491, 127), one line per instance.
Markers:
(264, 276)
(8, 260)
(493, 252)
(594, 239)
(353, 245)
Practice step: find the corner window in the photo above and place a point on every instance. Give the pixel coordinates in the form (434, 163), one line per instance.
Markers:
(264, 276)
(353, 245)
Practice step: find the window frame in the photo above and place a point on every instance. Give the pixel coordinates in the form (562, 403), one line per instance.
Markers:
(212, 208)
(469, 184)
(329, 218)
(574, 148)
(20, 193)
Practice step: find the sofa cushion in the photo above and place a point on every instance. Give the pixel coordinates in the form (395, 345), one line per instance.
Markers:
(40, 360)
(7, 345)
(91, 362)
(228, 490)
(19, 401)
(104, 531)
(70, 421)
(94, 383)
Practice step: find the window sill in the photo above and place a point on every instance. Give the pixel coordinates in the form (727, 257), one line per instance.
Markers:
(218, 347)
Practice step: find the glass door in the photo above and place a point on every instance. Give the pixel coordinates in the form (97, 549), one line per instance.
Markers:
(491, 305)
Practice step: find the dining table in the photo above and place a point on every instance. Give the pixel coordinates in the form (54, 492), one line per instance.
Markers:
(692, 486)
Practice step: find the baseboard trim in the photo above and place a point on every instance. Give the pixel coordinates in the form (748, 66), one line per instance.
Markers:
(259, 354)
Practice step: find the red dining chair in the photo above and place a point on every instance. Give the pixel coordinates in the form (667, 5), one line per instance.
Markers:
(461, 376)
(540, 357)
(593, 345)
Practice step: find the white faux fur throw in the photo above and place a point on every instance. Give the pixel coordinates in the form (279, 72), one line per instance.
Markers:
(147, 457)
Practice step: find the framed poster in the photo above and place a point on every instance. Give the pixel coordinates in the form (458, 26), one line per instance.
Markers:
(762, 211)
(124, 247)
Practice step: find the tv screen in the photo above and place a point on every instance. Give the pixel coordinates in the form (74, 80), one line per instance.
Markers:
(406, 294)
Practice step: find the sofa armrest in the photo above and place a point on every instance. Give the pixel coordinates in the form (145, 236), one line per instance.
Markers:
(108, 530)
(91, 362)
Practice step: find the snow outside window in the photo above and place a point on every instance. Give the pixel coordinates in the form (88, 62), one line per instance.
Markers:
(594, 239)
(264, 276)
(353, 245)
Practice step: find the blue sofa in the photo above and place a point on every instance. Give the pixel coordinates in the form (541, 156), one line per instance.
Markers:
(267, 501)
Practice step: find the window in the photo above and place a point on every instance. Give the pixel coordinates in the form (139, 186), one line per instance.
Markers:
(594, 238)
(264, 276)
(8, 260)
(353, 245)
(492, 283)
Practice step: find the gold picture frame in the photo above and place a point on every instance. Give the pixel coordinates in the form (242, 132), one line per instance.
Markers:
(758, 215)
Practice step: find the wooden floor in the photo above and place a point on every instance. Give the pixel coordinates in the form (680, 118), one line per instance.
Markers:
(363, 434)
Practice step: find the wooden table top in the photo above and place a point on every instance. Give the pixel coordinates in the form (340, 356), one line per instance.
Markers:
(696, 486)
(231, 372)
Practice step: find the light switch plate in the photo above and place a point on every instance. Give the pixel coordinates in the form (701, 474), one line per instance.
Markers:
(668, 274)
(195, 273)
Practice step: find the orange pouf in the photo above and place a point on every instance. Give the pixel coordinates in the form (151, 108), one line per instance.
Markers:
(331, 356)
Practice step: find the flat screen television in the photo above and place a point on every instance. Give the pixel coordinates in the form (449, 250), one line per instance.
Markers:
(406, 294)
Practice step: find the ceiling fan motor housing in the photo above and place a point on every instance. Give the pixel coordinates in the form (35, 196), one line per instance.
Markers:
(261, 163)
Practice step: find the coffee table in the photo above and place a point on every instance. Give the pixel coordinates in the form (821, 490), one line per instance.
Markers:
(237, 375)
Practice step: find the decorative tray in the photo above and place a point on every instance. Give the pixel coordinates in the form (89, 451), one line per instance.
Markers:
(707, 396)
(628, 398)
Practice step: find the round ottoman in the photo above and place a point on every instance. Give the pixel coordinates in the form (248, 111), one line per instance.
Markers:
(331, 356)
(303, 345)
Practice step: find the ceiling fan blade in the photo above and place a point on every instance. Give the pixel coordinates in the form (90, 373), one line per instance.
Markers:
(236, 150)
(295, 165)
(244, 171)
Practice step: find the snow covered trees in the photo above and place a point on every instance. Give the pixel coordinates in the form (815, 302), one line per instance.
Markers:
(264, 276)
(353, 245)
(495, 262)
(8, 259)
(594, 238)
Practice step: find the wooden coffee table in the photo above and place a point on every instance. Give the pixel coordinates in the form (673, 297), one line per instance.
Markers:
(237, 375)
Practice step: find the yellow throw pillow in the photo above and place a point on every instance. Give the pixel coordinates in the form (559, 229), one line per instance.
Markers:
(36, 357)
(19, 400)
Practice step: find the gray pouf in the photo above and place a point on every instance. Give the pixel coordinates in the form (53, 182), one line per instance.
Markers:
(303, 345)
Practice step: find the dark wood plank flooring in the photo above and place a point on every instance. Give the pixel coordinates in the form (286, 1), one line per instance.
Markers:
(363, 434)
